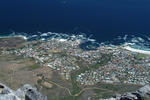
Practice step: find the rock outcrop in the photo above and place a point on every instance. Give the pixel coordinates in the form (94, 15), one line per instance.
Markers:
(27, 92)
(141, 94)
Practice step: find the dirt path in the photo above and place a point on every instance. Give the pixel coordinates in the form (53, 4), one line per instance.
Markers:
(77, 94)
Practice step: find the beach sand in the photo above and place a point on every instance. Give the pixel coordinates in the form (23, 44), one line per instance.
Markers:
(136, 50)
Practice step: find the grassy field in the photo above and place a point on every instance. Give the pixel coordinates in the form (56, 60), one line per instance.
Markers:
(75, 84)
(35, 66)
(141, 56)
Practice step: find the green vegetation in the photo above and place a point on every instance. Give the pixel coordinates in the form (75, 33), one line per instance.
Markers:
(98, 91)
(107, 95)
(83, 68)
(32, 67)
(148, 99)
(102, 94)
(53, 85)
(0, 52)
(105, 59)
(39, 82)
(141, 56)
(70, 98)
(35, 66)
(2, 76)
(63, 54)
(75, 84)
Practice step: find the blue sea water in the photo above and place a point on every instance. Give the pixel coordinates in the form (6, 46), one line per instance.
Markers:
(114, 21)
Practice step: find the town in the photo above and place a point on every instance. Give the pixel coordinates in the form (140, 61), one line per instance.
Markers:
(109, 64)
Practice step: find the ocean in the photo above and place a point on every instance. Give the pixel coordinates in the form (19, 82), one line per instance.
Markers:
(109, 21)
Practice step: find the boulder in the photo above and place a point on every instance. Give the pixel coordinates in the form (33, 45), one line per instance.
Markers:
(27, 92)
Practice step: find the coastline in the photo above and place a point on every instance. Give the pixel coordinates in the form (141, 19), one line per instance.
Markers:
(78, 38)
(19, 36)
(136, 50)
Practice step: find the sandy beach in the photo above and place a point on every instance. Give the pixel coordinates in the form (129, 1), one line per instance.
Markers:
(137, 50)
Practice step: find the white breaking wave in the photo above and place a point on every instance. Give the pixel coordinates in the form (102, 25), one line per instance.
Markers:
(130, 40)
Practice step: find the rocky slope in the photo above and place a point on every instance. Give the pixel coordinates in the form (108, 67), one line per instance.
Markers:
(141, 94)
(27, 92)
